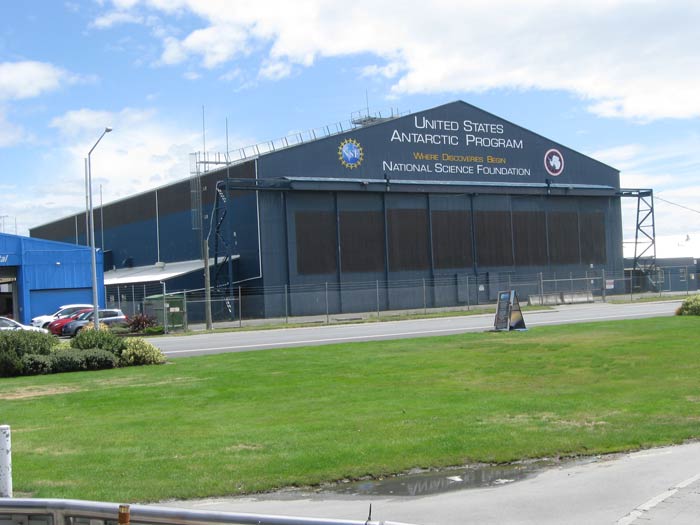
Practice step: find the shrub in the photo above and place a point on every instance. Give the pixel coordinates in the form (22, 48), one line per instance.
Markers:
(139, 322)
(120, 330)
(154, 330)
(97, 359)
(28, 342)
(62, 345)
(139, 352)
(10, 363)
(70, 360)
(35, 364)
(690, 306)
(102, 339)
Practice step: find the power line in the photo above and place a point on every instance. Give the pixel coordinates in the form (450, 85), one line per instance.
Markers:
(676, 204)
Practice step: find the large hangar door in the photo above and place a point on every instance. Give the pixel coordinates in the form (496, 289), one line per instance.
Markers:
(8, 292)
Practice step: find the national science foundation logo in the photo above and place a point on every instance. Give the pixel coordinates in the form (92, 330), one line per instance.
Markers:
(554, 162)
(350, 153)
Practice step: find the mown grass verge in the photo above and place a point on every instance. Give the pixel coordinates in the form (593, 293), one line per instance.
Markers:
(248, 422)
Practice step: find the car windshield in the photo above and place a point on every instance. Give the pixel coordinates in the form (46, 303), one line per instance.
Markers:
(85, 315)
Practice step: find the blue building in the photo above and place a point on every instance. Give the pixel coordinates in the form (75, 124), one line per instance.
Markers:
(448, 194)
(37, 276)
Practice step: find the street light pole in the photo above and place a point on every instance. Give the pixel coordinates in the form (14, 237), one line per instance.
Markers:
(95, 301)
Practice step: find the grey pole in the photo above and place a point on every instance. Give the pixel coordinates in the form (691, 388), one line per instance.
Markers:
(95, 302)
(5, 462)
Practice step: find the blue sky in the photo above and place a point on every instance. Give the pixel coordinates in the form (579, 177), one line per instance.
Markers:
(618, 80)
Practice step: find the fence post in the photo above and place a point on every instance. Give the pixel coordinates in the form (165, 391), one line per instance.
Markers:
(5, 462)
(240, 308)
(468, 298)
(133, 301)
(165, 312)
(286, 307)
(605, 285)
(541, 288)
(185, 322)
(328, 321)
(377, 299)
(425, 306)
(119, 298)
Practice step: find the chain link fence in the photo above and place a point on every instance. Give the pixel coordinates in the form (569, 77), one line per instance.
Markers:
(332, 301)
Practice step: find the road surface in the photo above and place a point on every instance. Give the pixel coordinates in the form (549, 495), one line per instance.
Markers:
(241, 341)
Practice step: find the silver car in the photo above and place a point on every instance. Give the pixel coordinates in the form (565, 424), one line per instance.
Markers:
(11, 324)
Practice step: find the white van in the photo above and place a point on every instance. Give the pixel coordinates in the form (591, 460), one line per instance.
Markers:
(43, 321)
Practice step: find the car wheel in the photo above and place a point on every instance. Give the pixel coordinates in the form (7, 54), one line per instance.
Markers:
(77, 331)
(45, 325)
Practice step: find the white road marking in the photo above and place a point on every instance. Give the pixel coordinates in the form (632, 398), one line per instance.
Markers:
(653, 502)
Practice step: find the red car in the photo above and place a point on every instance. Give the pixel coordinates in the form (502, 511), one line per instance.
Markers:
(56, 326)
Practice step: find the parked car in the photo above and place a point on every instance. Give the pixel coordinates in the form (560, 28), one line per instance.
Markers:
(56, 327)
(11, 324)
(108, 316)
(43, 321)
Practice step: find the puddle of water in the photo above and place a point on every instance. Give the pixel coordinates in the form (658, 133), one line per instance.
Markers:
(433, 482)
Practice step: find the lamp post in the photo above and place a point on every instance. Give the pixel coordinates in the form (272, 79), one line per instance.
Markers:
(95, 302)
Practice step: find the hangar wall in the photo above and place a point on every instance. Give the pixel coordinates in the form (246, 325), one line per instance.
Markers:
(447, 192)
(48, 274)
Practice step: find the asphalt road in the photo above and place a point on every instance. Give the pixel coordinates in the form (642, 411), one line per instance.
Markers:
(243, 341)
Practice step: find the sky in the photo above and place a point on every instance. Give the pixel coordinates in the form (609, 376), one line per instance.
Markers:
(618, 80)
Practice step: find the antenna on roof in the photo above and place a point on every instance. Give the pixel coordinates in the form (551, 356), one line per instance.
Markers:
(204, 134)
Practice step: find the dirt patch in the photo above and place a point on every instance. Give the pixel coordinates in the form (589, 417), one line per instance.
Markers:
(243, 446)
(34, 391)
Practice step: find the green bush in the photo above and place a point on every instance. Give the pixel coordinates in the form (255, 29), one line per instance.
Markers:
(153, 330)
(71, 360)
(97, 359)
(35, 364)
(27, 342)
(10, 363)
(120, 330)
(16, 344)
(102, 339)
(139, 352)
(690, 306)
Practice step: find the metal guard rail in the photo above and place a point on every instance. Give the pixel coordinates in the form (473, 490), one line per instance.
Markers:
(65, 512)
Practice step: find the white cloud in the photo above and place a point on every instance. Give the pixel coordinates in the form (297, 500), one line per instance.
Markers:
(275, 70)
(28, 79)
(116, 17)
(11, 134)
(629, 58)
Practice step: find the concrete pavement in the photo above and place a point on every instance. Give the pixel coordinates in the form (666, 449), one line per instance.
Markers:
(651, 487)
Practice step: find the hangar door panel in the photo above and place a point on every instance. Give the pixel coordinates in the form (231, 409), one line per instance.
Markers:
(563, 237)
(530, 238)
(315, 242)
(362, 241)
(452, 239)
(593, 238)
(408, 240)
(494, 238)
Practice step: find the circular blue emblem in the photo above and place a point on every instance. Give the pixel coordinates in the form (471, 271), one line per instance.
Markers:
(350, 153)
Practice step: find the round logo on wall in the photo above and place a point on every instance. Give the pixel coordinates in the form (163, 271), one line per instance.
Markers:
(350, 153)
(554, 162)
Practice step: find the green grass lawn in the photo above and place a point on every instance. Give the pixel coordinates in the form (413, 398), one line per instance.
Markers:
(247, 422)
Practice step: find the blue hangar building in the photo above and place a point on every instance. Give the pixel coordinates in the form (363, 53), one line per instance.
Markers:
(37, 276)
(451, 194)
